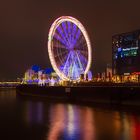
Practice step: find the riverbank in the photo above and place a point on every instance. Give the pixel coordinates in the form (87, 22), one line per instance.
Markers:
(109, 94)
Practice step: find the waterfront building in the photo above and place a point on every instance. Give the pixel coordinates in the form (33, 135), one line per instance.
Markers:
(126, 53)
(108, 75)
(126, 56)
(29, 74)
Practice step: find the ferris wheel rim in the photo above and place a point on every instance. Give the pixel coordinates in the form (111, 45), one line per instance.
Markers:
(52, 30)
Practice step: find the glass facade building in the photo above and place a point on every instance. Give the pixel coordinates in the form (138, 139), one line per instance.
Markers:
(126, 53)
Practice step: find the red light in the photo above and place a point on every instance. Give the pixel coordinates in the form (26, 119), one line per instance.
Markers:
(137, 73)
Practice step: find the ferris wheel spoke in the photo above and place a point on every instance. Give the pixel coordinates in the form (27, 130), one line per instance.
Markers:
(76, 69)
(72, 66)
(62, 34)
(62, 53)
(69, 27)
(75, 72)
(66, 63)
(82, 50)
(71, 69)
(62, 59)
(73, 32)
(81, 40)
(59, 46)
(65, 30)
(80, 62)
(84, 53)
(80, 44)
(83, 59)
(59, 50)
(57, 38)
(77, 35)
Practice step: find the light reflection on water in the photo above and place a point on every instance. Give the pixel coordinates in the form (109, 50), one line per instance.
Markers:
(69, 122)
(43, 120)
(33, 112)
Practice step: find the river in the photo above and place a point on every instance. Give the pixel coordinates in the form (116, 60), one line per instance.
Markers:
(41, 119)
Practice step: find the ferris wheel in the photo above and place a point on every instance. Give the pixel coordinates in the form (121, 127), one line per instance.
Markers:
(69, 48)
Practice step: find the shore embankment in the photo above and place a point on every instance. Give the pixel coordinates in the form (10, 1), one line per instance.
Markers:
(123, 94)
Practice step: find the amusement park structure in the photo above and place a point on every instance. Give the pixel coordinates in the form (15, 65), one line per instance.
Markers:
(69, 48)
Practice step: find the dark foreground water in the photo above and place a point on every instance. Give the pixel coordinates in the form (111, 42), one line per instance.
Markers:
(37, 119)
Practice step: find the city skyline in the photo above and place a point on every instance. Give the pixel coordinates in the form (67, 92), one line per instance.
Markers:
(25, 27)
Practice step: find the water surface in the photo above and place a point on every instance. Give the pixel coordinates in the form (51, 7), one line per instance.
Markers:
(40, 119)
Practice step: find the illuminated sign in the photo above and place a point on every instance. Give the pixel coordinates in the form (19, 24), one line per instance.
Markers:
(137, 73)
(125, 52)
(132, 48)
(126, 73)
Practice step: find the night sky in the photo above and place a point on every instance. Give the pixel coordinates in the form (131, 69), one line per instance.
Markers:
(24, 26)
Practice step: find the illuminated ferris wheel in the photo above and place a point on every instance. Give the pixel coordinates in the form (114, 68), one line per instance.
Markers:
(69, 48)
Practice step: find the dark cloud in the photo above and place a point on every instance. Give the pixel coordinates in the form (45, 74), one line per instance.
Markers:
(24, 26)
